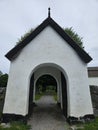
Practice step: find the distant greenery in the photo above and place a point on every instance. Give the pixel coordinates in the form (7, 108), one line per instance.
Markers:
(90, 126)
(45, 83)
(1, 73)
(74, 36)
(16, 126)
(3, 80)
(55, 96)
(38, 96)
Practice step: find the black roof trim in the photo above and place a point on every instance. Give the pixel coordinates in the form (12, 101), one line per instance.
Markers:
(49, 21)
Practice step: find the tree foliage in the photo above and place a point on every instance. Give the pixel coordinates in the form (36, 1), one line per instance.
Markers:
(69, 32)
(24, 36)
(1, 73)
(44, 81)
(74, 36)
(3, 80)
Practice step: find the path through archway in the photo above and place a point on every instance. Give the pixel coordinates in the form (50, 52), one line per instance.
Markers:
(59, 81)
(47, 115)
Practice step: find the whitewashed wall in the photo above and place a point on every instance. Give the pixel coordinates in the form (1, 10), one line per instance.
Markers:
(93, 81)
(48, 47)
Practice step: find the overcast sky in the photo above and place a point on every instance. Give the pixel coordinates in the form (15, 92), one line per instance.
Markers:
(18, 16)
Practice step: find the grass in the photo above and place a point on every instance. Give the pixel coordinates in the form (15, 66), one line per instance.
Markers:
(55, 97)
(38, 96)
(90, 126)
(16, 126)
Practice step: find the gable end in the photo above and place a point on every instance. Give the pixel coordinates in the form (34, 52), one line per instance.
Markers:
(49, 21)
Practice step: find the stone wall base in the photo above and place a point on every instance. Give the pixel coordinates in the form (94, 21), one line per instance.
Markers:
(13, 117)
(71, 120)
(84, 119)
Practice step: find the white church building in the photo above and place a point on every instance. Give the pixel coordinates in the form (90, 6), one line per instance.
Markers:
(48, 50)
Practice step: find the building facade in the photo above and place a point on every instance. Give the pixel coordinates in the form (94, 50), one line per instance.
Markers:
(48, 50)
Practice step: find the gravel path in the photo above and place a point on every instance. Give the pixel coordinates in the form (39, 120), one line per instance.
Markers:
(47, 116)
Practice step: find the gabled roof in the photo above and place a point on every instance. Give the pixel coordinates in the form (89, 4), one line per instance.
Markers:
(49, 21)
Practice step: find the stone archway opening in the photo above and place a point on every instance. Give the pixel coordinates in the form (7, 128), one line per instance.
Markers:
(50, 72)
(46, 85)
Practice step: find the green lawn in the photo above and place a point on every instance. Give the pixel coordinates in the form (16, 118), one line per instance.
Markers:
(16, 126)
(90, 126)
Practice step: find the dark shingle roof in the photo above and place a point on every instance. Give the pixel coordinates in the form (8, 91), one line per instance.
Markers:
(92, 71)
(49, 21)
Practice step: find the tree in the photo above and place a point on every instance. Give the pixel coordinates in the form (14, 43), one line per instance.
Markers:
(3, 80)
(1, 73)
(74, 36)
(45, 81)
(70, 32)
(24, 36)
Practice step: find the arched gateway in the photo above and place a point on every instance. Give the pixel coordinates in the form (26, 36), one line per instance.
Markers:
(48, 50)
(61, 79)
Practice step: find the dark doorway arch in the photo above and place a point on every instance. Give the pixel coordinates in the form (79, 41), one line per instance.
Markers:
(63, 93)
(44, 80)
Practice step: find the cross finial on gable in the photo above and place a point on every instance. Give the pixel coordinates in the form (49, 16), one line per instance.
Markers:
(49, 12)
